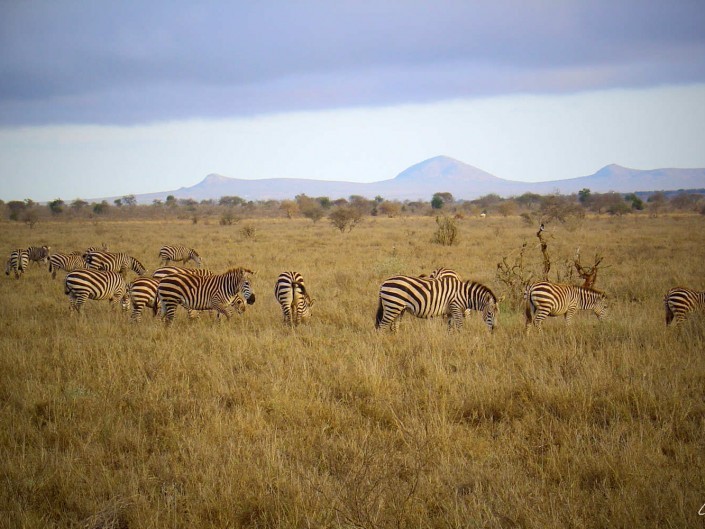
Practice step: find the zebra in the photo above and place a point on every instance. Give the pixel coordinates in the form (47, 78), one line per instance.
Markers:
(293, 297)
(81, 285)
(114, 262)
(142, 292)
(178, 253)
(215, 292)
(67, 262)
(438, 273)
(246, 292)
(545, 299)
(17, 263)
(426, 297)
(680, 301)
(38, 254)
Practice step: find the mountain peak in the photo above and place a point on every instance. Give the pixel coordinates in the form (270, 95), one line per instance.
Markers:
(214, 178)
(444, 167)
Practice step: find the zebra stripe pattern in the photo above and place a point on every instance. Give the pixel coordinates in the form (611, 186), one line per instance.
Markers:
(426, 297)
(246, 291)
(38, 254)
(114, 262)
(215, 292)
(82, 285)
(439, 273)
(293, 298)
(66, 262)
(680, 301)
(178, 253)
(142, 292)
(544, 299)
(17, 263)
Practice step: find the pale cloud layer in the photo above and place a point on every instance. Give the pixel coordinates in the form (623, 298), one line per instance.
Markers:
(111, 98)
(521, 137)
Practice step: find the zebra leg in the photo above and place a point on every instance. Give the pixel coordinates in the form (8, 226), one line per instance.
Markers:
(136, 315)
(79, 300)
(569, 315)
(539, 316)
(168, 313)
(669, 313)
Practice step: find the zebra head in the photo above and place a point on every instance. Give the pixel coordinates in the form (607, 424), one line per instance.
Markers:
(137, 267)
(599, 306)
(490, 312)
(193, 255)
(247, 292)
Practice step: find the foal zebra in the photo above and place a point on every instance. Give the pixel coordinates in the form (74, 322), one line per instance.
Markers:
(114, 262)
(17, 263)
(293, 297)
(545, 299)
(66, 262)
(178, 253)
(215, 292)
(81, 285)
(38, 254)
(680, 301)
(426, 297)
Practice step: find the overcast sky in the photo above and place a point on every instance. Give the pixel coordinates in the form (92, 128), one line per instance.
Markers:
(113, 98)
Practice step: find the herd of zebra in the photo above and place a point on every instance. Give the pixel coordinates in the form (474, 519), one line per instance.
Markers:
(100, 275)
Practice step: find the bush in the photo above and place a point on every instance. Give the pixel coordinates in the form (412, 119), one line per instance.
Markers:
(447, 231)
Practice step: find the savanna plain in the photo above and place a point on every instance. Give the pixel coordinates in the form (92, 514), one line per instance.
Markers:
(106, 423)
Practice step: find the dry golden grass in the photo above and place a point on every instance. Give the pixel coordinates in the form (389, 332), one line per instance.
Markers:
(248, 423)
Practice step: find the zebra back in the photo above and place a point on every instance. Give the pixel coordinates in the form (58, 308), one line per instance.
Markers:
(164, 271)
(442, 272)
(293, 297)
(679, 301)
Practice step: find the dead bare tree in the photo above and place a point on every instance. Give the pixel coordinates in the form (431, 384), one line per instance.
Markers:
(544, 252)
(587, 273)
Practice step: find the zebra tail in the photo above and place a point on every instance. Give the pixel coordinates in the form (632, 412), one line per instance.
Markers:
(527, 310)
(380, 313)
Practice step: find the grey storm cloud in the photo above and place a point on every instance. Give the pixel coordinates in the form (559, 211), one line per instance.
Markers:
(136, 62)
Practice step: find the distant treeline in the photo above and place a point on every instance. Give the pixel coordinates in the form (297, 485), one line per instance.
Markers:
(346, 212)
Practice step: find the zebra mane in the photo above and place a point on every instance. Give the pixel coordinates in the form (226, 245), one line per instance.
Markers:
(240, 271)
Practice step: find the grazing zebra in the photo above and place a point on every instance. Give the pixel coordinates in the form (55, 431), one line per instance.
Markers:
(246, 291)
(438, 273)
(425, 298)
(113, 262)
(142, 292)
(17, 263)
(81, 285)
(67, 262)
(178, 253)
(293, 297)
(38, 254)
(680, 301)
(216, 292)
(545, 299)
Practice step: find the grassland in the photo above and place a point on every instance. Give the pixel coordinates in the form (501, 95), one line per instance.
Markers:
(248, 423)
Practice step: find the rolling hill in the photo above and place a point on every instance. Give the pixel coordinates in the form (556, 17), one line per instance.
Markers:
(438, 174)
